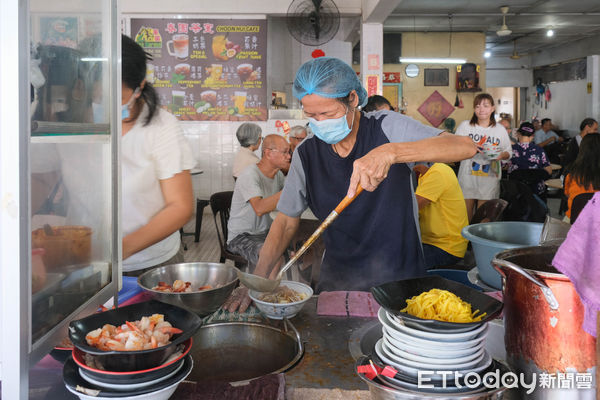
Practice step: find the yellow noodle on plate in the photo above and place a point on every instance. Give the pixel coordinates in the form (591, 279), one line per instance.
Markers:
(441, 305)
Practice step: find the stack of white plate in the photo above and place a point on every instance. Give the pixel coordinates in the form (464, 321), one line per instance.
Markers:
(441, 354)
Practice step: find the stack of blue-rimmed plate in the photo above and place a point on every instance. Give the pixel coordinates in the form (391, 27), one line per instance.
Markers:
(82, 377)
(439, 361)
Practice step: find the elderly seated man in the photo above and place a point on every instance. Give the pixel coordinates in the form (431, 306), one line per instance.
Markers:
(442, 215)
(297, 135)
(249, 136)
(255, 195)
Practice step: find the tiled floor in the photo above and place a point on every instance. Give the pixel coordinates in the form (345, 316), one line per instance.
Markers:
(207, 249)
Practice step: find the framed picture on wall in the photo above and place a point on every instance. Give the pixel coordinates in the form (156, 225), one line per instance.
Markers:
(436, 77)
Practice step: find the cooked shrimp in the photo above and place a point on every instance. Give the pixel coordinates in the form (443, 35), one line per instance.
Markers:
(147, 333)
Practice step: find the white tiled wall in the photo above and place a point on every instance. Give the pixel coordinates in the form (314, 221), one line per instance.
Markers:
(214, 145)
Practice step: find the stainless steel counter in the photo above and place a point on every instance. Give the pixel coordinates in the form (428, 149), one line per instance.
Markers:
(327, 362)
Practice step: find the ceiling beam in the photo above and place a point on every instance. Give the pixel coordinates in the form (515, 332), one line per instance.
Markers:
(497, 14)
(352, 32)
(377, 11)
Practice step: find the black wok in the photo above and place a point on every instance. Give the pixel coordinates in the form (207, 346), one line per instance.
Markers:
(179, 317)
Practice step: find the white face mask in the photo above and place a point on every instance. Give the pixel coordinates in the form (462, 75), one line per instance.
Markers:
(125, 107)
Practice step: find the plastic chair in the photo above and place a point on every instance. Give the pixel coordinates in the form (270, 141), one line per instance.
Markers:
(531, 177)
(578, 204)
(200, 204)
(523, 204)
(220, 204)
(490, 211)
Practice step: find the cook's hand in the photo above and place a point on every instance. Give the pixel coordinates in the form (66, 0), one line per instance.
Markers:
(370, 170)
(238, 300)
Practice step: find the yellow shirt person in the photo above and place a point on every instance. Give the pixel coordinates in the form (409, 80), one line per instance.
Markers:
(442, 215)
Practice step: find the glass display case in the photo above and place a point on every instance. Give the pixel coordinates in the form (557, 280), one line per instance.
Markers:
(68, 185)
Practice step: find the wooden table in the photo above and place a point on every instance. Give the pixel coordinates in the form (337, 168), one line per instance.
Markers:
(554, 183)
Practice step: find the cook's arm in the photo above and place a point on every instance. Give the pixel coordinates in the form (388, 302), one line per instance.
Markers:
(178, 209)
(281, 233)
(371, 169)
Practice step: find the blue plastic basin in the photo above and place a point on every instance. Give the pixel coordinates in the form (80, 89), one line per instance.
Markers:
(493, 237)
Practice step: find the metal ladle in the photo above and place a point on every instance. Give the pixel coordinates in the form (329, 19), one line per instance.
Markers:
(261, 284)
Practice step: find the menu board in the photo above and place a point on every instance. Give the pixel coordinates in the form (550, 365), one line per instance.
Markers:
(207, 69)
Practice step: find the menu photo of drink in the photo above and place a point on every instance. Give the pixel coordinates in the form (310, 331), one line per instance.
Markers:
(207, 69)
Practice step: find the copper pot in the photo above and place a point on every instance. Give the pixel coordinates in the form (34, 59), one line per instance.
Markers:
(543, 315)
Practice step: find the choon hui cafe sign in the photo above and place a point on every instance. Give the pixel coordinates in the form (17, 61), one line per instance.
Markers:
(207, 69)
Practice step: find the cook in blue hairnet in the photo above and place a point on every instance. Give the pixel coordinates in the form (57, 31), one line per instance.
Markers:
(376, 238)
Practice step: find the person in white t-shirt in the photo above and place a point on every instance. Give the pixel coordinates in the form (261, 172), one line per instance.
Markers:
(156, 160)
(249, 136)
(479, 176)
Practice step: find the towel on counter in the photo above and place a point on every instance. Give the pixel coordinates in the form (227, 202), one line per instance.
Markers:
(579, 259)
(347, 304)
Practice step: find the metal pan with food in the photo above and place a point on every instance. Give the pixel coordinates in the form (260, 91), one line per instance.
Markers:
(210, 285)
(116, 358)
(395, 297)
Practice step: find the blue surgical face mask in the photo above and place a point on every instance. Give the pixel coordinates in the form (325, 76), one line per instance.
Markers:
(125, 107)
(331, 131)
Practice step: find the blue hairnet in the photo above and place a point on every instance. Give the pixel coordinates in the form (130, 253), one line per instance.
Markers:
(328, 77)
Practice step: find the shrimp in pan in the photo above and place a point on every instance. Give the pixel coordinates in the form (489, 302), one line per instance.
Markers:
(147, 333)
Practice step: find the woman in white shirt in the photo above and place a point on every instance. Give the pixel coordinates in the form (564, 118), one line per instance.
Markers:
(479, 176)
(249, 136)
(156, 160)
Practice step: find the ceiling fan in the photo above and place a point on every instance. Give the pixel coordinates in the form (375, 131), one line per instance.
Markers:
(515, 55)
(503, 31)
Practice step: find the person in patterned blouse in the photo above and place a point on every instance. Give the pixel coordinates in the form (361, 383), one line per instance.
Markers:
(529, 156)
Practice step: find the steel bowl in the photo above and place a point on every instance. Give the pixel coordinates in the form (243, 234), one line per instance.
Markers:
(220, 276)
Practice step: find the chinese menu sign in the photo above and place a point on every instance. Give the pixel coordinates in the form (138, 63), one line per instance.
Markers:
(207, 69)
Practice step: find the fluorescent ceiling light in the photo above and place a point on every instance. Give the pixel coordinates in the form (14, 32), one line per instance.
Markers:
(94, 59)
(487, 54)
(433, 60)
